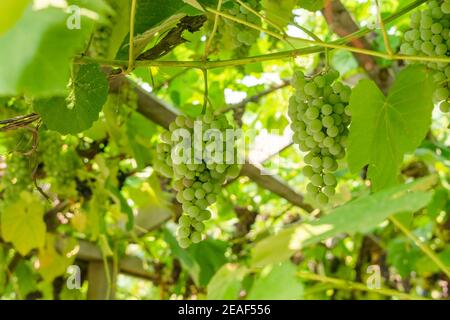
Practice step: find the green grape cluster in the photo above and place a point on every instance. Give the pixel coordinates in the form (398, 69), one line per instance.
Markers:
(235, 36)
(61, 162)
(210, 159)
(18, 176)
(429, 35)
(320, 116)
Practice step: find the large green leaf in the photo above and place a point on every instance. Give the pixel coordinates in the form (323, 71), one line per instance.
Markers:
(210, 256)
(277, 282)
(81, 109)
(227, 282)
(22, 223)
(36, 53)
(360, 215)
(201, 260)
(384, 129)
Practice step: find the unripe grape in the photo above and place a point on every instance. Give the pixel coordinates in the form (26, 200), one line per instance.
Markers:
(312, 189)
(329, 191)
(184, 221)
(322, 198)
(317, 180)
(184, 242)
(196, 237)
(183, 232)
(329, 179)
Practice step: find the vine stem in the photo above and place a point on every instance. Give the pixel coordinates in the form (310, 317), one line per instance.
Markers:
(131, 49)
(387, 45)
(246, 23)
(422, 246)
(319, 47)
(213, 32)
(350, 285)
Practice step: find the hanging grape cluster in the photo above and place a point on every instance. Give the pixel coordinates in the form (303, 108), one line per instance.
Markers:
(430, 36)
(236, 36)
(60, 161)
(320, 117)
(199, 160)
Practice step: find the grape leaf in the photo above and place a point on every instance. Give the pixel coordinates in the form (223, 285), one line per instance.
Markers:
(360, 215)
(51, 262)
(384, 129)
(81, 109)
(282, 282)
(227, 282)
(14, 9)
(279, 12)
(150, 14)
(22, 223)
(311, 5)
(37, 52)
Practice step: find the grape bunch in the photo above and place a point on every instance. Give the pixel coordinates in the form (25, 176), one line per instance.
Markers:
(237, 37)
(199, 156)
(320, 117)
(60, 161)
(17, 177)
(430, 36)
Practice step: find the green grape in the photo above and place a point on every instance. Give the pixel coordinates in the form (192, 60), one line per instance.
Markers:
(327, 109)
(198, 226)
(315, 125)
(183, 232)
(329, 191)
(184, 242)
(329, 179)
(322, 198)
(308, 171)
(312, 113)
(196, 237)
(316, 162)
(312, 189)
(310, 89)
(444, 106)
(317, 180)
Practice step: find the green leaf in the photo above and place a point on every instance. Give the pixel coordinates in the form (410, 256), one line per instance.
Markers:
(360, 215)
(277, 282)
(11, 12)
(384, 129)
(210, 256)
(36, 53)
(187, 260)
(227, 282)
(139, 132)
(280, 11)
(22, 223)
(53, 263)
(149, 15)
(195, 4)
(81, 109)
(311, 5)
